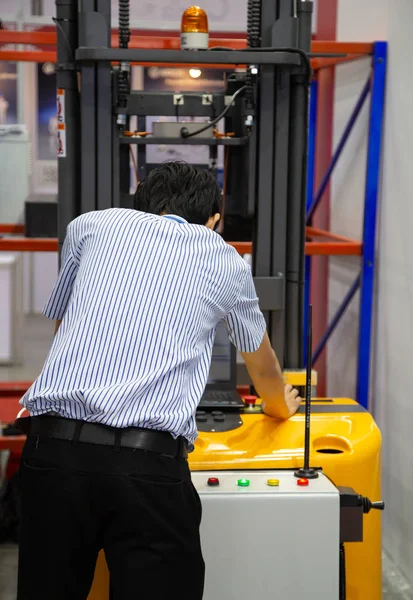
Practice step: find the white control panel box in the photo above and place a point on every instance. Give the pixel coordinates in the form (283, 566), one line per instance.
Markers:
(266, 534)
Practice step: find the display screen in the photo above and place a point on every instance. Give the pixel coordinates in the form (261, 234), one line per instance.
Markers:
(220, 370)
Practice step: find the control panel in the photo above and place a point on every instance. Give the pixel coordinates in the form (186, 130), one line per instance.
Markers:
(262, 482)
(264, 534)
(217, 421)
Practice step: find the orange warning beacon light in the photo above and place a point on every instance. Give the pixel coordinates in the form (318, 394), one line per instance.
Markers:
(194, 29)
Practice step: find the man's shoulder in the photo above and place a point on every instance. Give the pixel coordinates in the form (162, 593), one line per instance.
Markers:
(109, 214)
(218, 241)
(94, 220)
(230, 259)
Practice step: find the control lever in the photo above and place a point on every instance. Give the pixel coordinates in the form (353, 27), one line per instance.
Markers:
(368, 505)
(353, 507)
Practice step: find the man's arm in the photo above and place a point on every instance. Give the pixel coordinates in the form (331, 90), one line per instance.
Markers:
(59, 299)
(278, 400)
(248, 332)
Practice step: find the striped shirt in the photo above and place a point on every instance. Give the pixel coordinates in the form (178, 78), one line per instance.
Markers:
(140, 297)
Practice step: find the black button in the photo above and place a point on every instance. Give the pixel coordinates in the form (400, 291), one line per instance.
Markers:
(219, 418)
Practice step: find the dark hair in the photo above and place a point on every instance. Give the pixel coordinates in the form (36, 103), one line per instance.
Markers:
(179, 189)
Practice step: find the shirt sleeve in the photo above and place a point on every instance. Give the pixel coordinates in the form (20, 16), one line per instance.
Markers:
(57, 304)
(246, 323)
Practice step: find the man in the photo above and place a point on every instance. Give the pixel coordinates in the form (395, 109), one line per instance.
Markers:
(137, 301)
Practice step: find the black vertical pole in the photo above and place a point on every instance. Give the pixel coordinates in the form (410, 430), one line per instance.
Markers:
(263, 153)
(307, 471)
(284, 32)
(304, 13)
(104, 167)
(296, 222)
(89, 35)
(297, 168)
(308, 389)
(69, 157)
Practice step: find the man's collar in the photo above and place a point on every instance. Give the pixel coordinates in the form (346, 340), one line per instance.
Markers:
(175, 218)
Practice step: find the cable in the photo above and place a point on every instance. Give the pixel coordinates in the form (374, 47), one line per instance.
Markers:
(253, 41)
(224, 190)
(124, 70)
(185, 133)
(124, 32)
(135, 166)
(253, 23)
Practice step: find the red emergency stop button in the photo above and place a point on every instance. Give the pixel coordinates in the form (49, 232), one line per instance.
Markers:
(302, 481)
(250, 400)
(213, 481)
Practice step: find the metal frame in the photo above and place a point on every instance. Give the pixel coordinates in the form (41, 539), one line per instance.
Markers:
(375, 87)
(276, 168)
(318, 242)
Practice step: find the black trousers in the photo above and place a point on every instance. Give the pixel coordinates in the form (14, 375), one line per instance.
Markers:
(140, 507)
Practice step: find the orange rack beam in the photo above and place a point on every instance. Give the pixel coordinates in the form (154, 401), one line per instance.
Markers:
(148, 41)
(326, 243)
(320, 243)
(160, 40)
(23, 244)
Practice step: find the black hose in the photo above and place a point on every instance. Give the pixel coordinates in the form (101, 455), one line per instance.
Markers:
(254, 23)
(253, 41)
(342, 595)
(124, 37)
(124, 32)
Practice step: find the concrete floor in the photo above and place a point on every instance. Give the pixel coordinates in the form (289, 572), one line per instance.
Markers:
(39, 334)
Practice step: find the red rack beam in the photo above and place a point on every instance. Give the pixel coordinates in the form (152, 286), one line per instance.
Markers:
(13, 443)
(10, 228)
(13, 388)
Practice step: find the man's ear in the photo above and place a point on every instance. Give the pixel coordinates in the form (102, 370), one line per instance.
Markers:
(212, 221)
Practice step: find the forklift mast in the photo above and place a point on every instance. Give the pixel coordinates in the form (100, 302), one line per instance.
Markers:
(266, 109)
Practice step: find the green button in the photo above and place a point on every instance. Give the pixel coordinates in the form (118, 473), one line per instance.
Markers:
(243, 482)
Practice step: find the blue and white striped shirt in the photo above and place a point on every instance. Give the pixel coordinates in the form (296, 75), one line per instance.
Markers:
(140, 297)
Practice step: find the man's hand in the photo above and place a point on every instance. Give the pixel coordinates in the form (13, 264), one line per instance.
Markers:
(292, 399)
(278, 400)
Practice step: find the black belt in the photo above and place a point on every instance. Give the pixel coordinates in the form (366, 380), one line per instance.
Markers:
(93, 433)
